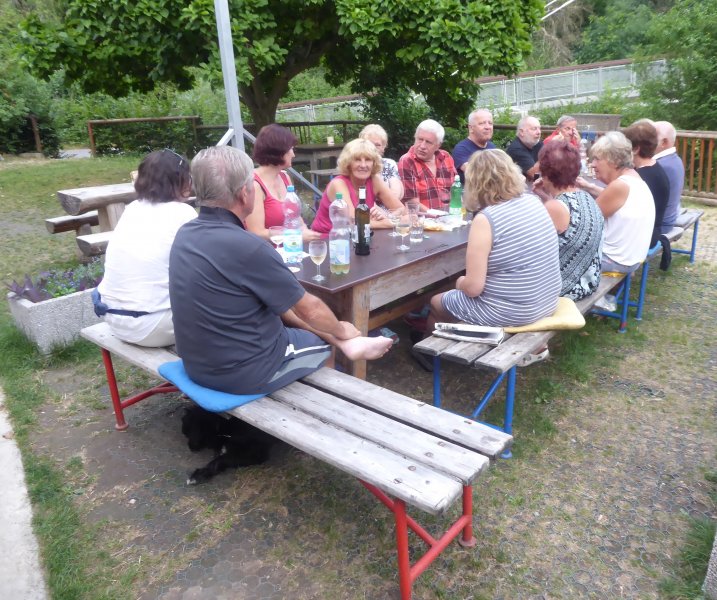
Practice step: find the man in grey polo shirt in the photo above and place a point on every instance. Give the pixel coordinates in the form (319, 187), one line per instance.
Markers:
(667, 157)
(243, 323)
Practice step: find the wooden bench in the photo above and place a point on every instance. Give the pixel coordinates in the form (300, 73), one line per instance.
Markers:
(94, 244)
(508, 355)
(690, 217)
(80, 224)
(402, 450)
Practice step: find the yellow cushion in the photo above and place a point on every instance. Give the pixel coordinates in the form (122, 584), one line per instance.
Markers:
(566, 316)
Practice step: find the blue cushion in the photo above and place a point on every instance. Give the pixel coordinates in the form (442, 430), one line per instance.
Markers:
(206, 398)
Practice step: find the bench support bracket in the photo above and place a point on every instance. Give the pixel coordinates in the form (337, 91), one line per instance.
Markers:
(408, 573)
(117, 403)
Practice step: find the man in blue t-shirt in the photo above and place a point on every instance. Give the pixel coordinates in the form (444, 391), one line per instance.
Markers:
(480, 132)
(667, 157)
(243, 324)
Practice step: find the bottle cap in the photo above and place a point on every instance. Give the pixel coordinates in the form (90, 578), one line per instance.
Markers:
(290, 188)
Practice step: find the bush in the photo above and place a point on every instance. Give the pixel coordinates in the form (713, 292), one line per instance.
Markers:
(21, 95)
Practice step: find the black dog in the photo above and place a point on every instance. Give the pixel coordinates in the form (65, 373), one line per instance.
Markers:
(235, 443)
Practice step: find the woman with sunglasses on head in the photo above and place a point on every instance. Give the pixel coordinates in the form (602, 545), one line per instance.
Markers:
(134, 292)
(273, 152)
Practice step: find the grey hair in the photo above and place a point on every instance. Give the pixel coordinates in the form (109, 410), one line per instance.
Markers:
(564, 119)
(666, 130)
(433, 127)
(475, 112)
(615, 148)
(219, 174)
(524, 121)
(374, 129)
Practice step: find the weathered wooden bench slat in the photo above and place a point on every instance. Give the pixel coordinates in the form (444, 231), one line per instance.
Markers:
(455, 461)
(94, 244)
(465, 353)
(397, 475)
(689, 217)
(508, 353)
(148, 359)
(462, 431)
(434, 345)
(72, 222)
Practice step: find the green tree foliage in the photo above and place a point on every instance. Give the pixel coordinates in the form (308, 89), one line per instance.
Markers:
(435, 47)
(686, 36)
(616, 31)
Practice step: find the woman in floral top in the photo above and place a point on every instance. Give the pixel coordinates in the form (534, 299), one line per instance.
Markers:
(389, 172)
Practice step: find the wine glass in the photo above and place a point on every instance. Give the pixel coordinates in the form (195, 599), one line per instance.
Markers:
(317, 253)
(403, 227)
(276, 235)
(393, 216)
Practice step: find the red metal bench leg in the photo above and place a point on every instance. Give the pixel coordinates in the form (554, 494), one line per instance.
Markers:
(467, 540)
(117, 403)
(404, 563)
(114, 392)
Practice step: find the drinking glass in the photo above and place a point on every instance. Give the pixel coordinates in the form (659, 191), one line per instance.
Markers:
(393, 216)
(317, 252)
(276, 235)
(416, 236)
(404, 228)
(445, 198)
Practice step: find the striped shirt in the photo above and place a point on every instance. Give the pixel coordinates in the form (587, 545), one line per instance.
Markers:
(523, 278)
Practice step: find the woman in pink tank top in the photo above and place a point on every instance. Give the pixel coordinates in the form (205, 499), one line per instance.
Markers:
(273, 152)
(359, 165)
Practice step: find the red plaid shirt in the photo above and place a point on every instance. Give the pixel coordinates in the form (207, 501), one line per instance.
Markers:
(419, 182)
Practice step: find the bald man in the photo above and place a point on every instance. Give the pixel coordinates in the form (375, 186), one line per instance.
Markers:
(525, 147)
(671, 163)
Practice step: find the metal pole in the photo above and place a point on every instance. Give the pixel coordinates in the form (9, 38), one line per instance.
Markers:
(231, 90)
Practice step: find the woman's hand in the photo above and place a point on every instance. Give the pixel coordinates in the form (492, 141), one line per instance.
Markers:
(377, 213)
(540, 191)
(309, 235)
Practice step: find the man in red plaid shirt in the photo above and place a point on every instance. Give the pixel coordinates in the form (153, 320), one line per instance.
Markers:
(427, 172)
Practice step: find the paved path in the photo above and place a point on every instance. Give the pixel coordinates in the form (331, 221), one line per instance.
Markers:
(21, 577)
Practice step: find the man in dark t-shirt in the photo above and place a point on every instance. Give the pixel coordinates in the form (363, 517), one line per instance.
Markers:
(243, 324)
(525, 147)
(480, 132)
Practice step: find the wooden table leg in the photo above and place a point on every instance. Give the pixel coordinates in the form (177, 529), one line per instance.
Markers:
(353, 306)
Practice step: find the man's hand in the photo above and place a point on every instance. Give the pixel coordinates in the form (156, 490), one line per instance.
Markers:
(346, 331)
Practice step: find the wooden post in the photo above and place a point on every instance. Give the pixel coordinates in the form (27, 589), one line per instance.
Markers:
(36, 133)
(91, 133)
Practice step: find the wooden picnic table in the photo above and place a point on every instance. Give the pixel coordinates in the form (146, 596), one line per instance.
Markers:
(108, 200)
(387, 283)
(315, 153)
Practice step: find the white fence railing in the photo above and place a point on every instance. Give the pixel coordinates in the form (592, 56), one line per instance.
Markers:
(527, 92)
(523, 93)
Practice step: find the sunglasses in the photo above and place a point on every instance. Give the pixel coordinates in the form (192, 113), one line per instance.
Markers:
(179, 156)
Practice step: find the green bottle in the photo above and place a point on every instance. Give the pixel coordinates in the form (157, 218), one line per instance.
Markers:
(456, 206)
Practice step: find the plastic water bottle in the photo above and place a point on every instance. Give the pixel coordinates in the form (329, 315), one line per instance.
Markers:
(293, 242)
(456, 205)
(584, 155)
(339, 237)
(363, 225)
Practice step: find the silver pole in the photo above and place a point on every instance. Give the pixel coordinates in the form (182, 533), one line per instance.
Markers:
(231, 89)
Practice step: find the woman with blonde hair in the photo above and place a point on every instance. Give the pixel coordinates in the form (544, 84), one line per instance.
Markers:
(389, 169)
(359, 165)
(512, 267)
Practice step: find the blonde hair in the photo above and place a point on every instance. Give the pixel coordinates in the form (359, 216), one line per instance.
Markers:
(374, 129)
(358, 149)
(614, 148)
(491, 178)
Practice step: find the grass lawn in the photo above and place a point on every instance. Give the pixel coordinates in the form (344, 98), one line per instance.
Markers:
(611, 491)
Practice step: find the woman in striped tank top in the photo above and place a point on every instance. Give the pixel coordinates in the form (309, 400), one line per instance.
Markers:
(512, 267)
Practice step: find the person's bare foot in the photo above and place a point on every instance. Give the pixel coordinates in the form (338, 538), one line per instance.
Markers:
(365, 348)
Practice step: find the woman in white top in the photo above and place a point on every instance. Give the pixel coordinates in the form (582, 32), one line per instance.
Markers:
(134, 293)
(626, 203)
(389, 169)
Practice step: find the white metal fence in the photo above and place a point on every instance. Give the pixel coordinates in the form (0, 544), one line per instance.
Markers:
(523, 93)
(528, 92)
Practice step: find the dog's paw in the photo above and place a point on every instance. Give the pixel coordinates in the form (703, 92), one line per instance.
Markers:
(199, 476)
